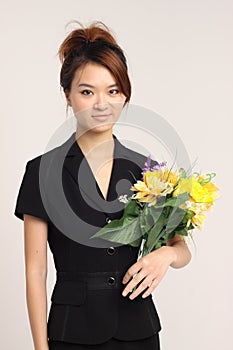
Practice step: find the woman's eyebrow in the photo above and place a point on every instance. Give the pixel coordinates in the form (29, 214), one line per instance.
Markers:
(91, 86)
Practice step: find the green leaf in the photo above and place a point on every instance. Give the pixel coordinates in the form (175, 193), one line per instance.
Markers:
(155, 231)
(156, 212)
(131, 212)
(161, 242)
(136, 243)
(144, 227)
(146, 220)
(182, 173)
(125, 232)
(189, 215)
(183, 232)
(170, 235)
(175, 219)
(131, 209)
(175, 201)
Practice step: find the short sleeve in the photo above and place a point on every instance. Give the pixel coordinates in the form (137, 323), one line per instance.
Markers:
(29, 199)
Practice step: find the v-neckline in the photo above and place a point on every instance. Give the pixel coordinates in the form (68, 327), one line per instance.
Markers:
(93, 176)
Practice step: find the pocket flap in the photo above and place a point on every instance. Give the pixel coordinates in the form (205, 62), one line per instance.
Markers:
(69, 292)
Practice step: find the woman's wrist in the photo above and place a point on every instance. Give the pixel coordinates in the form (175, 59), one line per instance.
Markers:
(171, 254)
(179, 253)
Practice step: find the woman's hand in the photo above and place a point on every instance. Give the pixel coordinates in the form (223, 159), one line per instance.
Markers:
(150, 269)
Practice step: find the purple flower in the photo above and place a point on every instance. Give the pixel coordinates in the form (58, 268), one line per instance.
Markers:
(163, 164)
(147, 164)
(158, 166)
(142, 173)
(155, 167)
(148, 161)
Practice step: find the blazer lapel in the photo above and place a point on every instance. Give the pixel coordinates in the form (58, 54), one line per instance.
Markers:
(77, 166)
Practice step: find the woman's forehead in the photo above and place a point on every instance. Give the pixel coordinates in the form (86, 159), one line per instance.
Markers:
(94, 75)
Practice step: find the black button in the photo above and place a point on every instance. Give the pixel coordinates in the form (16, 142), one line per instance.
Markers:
(111, 280)
(111, 250)
(108, 219)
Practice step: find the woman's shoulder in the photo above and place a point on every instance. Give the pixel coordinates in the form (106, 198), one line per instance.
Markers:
(47, 155)
(34, 163)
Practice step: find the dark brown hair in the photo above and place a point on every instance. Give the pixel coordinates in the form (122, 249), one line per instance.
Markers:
(96, 44)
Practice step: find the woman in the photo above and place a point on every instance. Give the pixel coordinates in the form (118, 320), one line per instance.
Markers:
(93, 306)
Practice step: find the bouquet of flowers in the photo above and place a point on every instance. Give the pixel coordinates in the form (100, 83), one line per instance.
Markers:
(165, 203)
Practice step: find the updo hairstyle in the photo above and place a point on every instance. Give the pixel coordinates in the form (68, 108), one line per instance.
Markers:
(93, 44)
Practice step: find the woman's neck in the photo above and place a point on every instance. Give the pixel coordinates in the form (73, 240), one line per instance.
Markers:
(96, 145)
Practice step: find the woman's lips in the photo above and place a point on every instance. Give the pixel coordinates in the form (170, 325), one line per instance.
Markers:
(102, 117)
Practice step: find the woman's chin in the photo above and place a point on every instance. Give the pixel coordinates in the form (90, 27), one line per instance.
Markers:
(97, 129)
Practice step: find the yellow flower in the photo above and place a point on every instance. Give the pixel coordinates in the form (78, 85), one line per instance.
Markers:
(197, 209)
(197, 220)
(211, 188)
(151, 188)
(171, 176)
(184, 185)
(204, 193)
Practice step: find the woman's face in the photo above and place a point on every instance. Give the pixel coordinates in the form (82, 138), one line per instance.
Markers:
(95, 99)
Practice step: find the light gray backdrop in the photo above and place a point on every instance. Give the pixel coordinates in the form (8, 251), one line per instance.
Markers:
(180, 58)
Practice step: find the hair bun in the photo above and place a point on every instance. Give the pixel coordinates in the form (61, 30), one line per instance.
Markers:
(92, 34)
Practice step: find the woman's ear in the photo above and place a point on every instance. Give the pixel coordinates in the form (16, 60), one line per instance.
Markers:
(68, 99)
(125, 102)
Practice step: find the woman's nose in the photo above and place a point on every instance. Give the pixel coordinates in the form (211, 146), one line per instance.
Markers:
(101, 106)
(101, 103)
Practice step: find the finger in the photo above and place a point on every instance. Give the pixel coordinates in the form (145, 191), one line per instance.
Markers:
(131, 272)
(153, 285)
(142, 286)
(138, 277)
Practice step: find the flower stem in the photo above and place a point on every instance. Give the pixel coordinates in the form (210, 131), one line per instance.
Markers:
(140, 254)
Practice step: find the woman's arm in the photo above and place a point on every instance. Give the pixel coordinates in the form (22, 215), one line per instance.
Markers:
(180, 253)
(35, 240)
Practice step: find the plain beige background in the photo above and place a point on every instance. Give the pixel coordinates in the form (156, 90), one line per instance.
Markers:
(180, 58)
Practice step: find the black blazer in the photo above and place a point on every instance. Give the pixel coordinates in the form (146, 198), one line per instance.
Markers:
(87, 306)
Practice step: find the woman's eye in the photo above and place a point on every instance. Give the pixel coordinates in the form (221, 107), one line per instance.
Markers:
(84, 92)
(89, 92)
(116, 92)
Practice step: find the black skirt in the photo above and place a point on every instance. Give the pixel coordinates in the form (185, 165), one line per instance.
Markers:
(151, 343)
